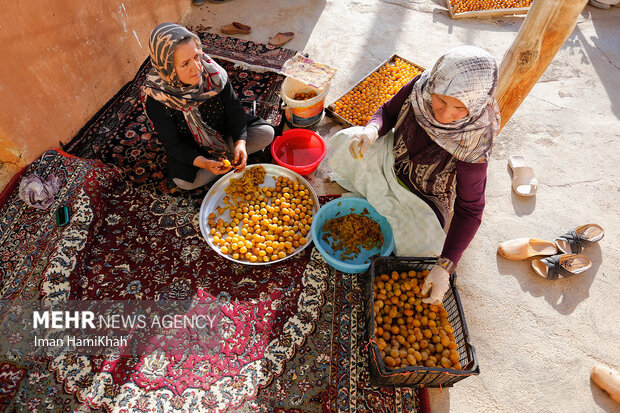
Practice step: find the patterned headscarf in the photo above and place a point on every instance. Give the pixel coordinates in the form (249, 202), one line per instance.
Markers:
(163, 84)
(469, 74)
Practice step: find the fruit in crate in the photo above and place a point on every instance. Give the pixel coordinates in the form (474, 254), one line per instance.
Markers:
(462, 6)
(359, 104)
(408, 331)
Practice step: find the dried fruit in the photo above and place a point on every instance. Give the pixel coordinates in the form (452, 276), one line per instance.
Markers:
(462, 6)
(305, 95)
(266, 225)
(413, 333)
(351, 232)
(363, 100)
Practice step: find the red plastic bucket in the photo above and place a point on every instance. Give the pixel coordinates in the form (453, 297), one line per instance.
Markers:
(299, 150)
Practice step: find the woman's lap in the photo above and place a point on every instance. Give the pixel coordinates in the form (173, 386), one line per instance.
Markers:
(259, 137)
(203, 177)
(417, 231)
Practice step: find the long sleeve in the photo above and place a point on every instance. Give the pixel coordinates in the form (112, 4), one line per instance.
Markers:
(386, 116)
(168, 133)
(234, 114)
(471, 181)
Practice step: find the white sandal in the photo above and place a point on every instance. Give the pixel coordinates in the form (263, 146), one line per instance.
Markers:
(524, 181)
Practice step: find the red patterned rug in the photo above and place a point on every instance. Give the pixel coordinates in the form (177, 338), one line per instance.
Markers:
(288, 339)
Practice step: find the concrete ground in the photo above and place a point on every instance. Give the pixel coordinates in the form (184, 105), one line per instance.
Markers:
(536, 340)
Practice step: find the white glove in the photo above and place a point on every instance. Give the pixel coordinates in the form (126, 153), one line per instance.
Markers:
(439, 280)
(360, 142)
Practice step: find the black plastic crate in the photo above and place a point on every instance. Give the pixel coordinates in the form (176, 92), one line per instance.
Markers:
(380, 374)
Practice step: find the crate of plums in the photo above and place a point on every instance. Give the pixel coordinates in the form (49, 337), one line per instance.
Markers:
(412, 343)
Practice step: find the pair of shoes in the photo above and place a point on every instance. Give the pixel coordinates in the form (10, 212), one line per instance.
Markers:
(572, 242)
(236, 28)
(524, 181)
(281, 39)
(570, 245)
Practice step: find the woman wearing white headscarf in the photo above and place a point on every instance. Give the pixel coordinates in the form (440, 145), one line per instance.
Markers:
(444, 124)
(195, 111)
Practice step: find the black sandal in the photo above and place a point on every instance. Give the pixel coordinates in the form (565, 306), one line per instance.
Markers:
(575, 240)
(565, 265)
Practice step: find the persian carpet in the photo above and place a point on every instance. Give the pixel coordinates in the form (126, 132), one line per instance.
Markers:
(120, 133)
(289, 339)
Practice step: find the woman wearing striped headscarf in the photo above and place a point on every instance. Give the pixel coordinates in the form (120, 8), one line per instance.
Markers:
(444, 124)
(195, 111)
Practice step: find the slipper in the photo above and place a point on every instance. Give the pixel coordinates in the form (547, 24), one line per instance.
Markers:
(524, 181)
(522, 248)
(607, 379)
(236, 28)
(281, 39)
(565, 265)
(575, 240)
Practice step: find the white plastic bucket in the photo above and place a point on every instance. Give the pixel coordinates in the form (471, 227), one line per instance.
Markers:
(302, 113)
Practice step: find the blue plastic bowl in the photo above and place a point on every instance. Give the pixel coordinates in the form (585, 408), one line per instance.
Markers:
(340, 207)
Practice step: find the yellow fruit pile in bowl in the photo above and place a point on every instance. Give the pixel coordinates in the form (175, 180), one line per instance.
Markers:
(409, 332)
(359, 104)
(264, 223)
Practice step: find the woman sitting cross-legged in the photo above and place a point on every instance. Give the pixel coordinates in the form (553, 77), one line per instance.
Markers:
(195, 111)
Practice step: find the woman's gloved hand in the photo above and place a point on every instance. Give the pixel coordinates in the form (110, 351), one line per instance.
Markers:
(360, 142)
(439, 281)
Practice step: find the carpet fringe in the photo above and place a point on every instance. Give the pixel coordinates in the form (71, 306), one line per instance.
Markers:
(247, 66)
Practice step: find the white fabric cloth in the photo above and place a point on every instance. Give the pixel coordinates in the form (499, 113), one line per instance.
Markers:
(416, 229)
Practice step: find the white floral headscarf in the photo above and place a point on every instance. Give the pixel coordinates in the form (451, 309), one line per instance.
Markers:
(469, 74)
(163, 84)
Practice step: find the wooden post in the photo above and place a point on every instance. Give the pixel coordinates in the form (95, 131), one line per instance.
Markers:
(547, 25)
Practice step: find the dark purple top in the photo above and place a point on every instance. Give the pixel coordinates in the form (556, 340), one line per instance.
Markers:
(470, 178)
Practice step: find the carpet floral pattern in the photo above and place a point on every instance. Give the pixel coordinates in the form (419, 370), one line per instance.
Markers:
(289, 334)
(101, 255)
